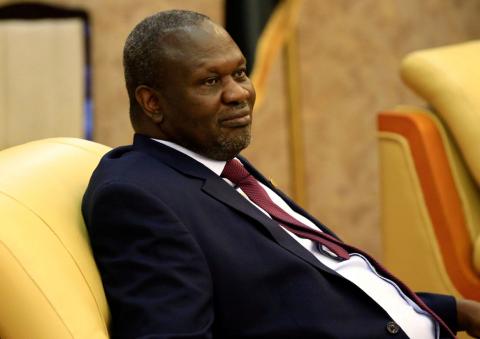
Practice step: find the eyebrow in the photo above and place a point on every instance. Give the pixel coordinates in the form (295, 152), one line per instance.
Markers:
(202, 63)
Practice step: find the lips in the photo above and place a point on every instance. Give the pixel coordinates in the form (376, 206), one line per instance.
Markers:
(239, 119)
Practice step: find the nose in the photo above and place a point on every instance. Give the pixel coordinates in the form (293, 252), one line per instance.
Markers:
(235, 92)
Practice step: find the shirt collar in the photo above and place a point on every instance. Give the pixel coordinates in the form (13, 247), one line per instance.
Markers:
(216, 166)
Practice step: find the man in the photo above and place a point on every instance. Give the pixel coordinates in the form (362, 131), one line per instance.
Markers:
(193, 244)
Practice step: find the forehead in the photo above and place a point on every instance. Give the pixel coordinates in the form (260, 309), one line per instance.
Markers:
(202, 47)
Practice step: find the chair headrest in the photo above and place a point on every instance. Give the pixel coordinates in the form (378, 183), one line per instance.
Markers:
(448, 78)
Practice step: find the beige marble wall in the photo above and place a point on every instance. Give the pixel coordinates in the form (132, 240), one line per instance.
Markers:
(349, 52)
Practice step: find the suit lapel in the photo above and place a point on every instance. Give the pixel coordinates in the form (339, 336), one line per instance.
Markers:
(221, 191)
(218, 189)
(289, 201)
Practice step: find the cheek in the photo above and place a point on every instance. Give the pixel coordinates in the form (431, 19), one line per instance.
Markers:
(204, 126)
(253, 94)
(205, 112)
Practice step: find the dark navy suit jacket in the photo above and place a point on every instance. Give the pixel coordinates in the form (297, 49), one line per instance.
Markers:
(184, 255)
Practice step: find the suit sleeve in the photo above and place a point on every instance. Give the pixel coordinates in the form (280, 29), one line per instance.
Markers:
(155, 276)
(445, 306)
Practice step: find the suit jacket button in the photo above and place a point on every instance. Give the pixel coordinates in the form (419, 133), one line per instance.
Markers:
(392, 327)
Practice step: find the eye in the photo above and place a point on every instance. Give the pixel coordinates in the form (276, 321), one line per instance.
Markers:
(210, 81)
(240, 74)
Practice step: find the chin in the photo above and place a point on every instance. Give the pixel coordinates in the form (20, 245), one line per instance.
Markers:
(228, 148)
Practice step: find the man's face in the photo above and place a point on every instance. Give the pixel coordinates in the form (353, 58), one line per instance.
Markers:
(207, 98)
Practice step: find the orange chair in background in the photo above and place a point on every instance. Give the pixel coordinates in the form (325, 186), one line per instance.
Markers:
(430, 174)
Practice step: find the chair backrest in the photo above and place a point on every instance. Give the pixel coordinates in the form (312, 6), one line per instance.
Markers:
(49, 284)
(429, 200)
(448, 78)
(430, 173)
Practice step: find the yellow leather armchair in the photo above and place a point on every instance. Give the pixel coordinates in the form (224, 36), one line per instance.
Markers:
(49, 284)
(430, 174)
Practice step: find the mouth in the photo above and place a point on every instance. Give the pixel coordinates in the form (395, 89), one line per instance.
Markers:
(240, 119)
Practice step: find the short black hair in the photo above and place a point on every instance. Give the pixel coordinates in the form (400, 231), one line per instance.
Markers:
(143, 53)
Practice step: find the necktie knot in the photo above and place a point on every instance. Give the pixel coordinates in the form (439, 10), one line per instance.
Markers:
(235, 172)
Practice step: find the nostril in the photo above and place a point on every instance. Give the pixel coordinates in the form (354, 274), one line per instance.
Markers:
(238, 105)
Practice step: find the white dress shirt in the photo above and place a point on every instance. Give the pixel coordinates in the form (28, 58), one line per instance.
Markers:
(415, 322)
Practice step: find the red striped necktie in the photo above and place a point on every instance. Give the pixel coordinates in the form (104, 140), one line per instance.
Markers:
(240, 177)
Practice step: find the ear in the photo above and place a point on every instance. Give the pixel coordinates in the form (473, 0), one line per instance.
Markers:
(149, 99)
